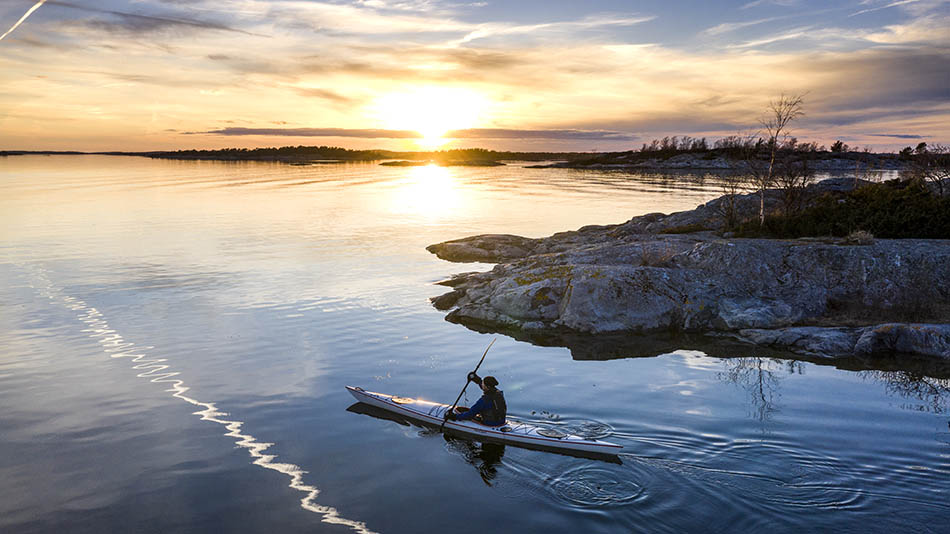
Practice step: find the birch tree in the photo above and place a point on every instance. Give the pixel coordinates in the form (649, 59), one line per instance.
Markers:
(775, 127)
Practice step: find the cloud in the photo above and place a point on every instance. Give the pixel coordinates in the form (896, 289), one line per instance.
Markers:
(795, 33)
(340, 19)
(134, 23)
(783, 3)
(315, 132)
(503, 133)
(472, 133)
(898, 136)
(483, 31)
(892, 4)
(324, 94)
(925, 29)
(916, 79)
(727, 27)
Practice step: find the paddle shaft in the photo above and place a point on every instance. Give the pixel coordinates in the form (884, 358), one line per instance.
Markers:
(454, 404)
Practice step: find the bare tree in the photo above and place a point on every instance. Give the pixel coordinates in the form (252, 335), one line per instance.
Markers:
(931, 165)
(732, 185)
(775, 126)
(793, 174)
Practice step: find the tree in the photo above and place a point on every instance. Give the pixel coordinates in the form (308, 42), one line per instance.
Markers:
(931, 166)
(775, 126)
(732, 185)
(839, 146)
(793, 174)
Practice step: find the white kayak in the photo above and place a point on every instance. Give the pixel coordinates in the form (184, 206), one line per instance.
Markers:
(514, 432)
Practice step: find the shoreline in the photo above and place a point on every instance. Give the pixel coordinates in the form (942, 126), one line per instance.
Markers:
(857, 162)
(818, 297)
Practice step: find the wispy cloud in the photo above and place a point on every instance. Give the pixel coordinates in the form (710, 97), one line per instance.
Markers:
(471, 133)
(933, 29)
(890, 5)
(368, 133)
(125, 22)
(795, 33)
(501, 133)
(757, 3)
(131, 69)
(897, 136)
(727, 27)
(325, 94)
(483, 31)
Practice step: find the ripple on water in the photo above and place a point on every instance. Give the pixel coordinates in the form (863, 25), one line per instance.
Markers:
(595, 485)
(589, 428)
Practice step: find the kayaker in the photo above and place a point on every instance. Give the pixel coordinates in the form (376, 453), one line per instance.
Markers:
(490, 410)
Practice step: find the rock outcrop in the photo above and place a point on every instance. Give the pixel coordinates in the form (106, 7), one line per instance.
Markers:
(820, 297)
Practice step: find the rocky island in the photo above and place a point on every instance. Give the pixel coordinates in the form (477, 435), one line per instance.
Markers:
(822, 297)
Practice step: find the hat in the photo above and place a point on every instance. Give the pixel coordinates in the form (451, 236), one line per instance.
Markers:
(490, 381)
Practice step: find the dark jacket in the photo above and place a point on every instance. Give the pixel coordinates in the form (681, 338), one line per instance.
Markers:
(491, 407)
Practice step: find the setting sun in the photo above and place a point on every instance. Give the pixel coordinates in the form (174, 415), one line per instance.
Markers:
(431, 111)
(711, 241)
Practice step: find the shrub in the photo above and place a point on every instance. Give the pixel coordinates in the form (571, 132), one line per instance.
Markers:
(887, 210)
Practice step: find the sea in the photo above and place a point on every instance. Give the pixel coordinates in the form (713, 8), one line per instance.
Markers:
(176, 338)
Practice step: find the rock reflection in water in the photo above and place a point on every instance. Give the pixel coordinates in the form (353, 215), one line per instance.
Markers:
(922, 379)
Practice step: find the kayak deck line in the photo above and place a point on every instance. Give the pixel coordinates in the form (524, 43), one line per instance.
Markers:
(513, 431)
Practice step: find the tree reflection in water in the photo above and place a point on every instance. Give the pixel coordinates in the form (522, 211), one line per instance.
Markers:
(761, 378)
(932, 392)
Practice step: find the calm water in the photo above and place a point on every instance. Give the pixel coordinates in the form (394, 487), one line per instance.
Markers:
(176, 337)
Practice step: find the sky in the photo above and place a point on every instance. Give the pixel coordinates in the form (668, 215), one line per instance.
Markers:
(544, 75)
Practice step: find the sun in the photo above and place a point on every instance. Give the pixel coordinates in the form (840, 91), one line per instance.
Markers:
(431, 111)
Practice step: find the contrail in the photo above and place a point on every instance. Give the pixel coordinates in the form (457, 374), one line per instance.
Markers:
(27, 14)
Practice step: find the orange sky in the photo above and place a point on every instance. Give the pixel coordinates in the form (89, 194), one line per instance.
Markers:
(151, 75)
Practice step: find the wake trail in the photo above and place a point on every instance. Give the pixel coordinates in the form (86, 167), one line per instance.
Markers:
(160, 371)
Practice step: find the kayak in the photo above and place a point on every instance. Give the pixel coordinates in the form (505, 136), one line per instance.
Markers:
(513, 432)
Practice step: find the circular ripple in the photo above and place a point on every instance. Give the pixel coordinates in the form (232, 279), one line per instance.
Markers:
(596, 486)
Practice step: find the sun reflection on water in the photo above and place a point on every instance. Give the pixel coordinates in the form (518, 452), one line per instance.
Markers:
(430, 191)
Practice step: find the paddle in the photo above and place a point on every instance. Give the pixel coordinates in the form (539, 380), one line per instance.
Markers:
(467, 381)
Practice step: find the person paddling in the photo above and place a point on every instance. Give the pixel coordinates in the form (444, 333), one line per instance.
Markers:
(490, 410)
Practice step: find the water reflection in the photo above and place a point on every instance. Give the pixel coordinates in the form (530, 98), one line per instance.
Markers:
(430, 191)
(484, 457)
(586, 429)
(158, 370)
(932, 392)
(922, 379)
(761, 379)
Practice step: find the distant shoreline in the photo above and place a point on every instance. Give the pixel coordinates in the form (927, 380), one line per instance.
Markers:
(323, 154)
(711, 159)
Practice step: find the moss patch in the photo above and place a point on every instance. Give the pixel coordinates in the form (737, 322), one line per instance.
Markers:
(556, 271)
